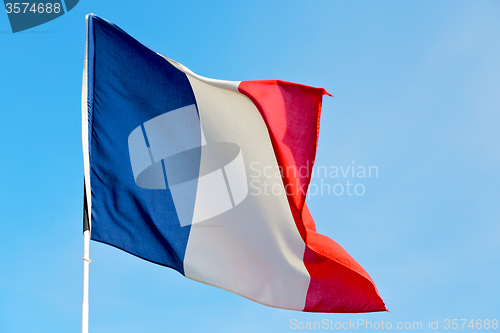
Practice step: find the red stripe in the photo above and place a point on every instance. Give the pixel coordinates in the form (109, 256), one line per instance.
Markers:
(291, 113)
(338, 282)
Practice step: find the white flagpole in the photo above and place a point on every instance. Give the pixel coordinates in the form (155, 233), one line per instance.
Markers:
(88, 200)
(86, 262)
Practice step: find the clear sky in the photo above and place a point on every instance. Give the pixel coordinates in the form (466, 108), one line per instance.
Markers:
(417, 95)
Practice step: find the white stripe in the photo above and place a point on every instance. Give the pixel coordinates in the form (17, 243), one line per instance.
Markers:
(231, 85)
(253, 249)
(85, 129)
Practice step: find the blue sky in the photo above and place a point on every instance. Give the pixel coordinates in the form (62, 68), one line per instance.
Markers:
(416, 88)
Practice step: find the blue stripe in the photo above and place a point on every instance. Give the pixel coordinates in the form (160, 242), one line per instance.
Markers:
(164, 172)
(131, 84)
(145, 135)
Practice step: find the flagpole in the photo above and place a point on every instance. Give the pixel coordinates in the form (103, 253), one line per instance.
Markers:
(86, 262)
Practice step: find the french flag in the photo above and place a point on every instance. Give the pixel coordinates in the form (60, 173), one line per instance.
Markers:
(209, 177)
